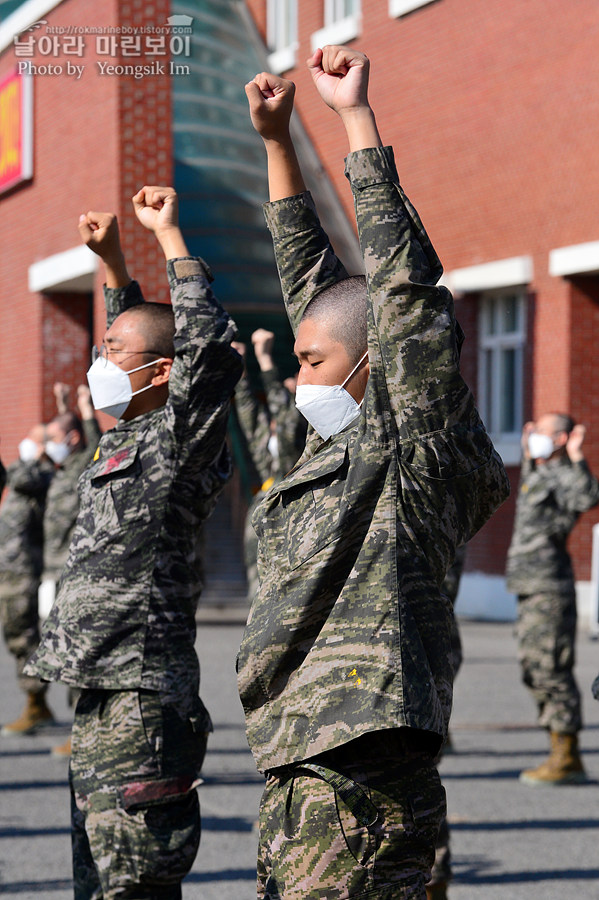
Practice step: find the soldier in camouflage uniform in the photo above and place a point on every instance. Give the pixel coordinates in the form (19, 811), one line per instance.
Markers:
(556, 486)
(344, 669)
(21, 551)
(441, 873)
(123, 625)
(275, 434)
(71, 444)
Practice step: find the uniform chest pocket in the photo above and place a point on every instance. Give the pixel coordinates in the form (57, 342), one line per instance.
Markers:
(118, 493)
(313, 507)
(537, 494)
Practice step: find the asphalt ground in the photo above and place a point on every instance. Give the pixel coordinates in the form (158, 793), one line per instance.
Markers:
(508, 840)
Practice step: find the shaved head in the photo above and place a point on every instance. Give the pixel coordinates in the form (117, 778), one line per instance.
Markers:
(156, 323)
(341, 309)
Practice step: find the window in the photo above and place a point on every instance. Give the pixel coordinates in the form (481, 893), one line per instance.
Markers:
(281, 34)
(335, 10)
(342, 20)
(501, 365)
(401, 7)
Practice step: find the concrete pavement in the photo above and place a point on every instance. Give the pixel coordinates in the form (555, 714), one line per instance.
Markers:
(509, 841)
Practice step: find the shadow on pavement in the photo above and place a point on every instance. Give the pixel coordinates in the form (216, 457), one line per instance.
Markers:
(473, 875)
(529, 824)
(34, 887)
(221, 875)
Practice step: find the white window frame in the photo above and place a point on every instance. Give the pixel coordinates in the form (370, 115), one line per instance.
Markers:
(399, 8)
(507, 443)
(338, 28)
(283, 47)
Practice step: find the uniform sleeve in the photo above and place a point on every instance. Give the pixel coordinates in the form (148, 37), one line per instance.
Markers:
(254, 424)
(413, 336)
(278, 397)
(31, 479)
(205, 368)
(305, 258)
(118, 300)
(291, 425)
(577, 489)
(92, 433)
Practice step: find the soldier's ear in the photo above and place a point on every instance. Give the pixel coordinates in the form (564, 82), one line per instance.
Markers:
(561, 439)
(163, 368)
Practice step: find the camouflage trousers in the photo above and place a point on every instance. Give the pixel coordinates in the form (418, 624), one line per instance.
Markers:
(546, 632)
(135, 811)
(20, 624)
(361, 828)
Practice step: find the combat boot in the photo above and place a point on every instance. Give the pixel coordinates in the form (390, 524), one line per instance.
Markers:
(437, 891)
(563, 766)
(35, 715)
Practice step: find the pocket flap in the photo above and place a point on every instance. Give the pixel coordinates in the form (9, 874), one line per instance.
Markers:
(119, 462)
(319, 466)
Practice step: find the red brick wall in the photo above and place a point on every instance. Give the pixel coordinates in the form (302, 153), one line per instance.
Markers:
(492, 110)
(96, 141)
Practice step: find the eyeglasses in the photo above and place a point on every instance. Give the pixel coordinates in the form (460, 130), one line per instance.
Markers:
(104, 352)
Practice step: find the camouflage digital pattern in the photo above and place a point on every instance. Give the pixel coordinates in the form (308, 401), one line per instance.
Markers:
(551, 497)
(316, 845)
(349, 633)
(546, 633)
(539, 569)
(21, 555)
(254, 420)
(135, 811)
(124, 616)
(442, 869)
(450, 588)
(62, 503)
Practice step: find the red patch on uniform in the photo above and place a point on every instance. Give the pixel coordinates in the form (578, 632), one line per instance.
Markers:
(115, 461)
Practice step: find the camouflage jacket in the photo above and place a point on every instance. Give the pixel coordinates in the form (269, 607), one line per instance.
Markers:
(124, 615)
(254, 420)
(551, 497)
(62, 503)
(21, 519)
(349, 632)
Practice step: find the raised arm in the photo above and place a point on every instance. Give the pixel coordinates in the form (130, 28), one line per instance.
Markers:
(157, 208)
(305, 258)
(253, 419)
(100, 232)
(271, 104)
(577, 489)
(205, 368)
(341, 77)
(413, 337)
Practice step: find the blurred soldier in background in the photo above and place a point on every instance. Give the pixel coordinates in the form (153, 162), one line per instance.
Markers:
(275, 433)
(21, 552)
(556, 486)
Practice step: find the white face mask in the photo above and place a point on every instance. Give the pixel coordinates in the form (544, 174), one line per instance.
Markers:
(28, 450)
(273, 446)
(540, 446)
(110, 386)
(328, 408)
(57, 451)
